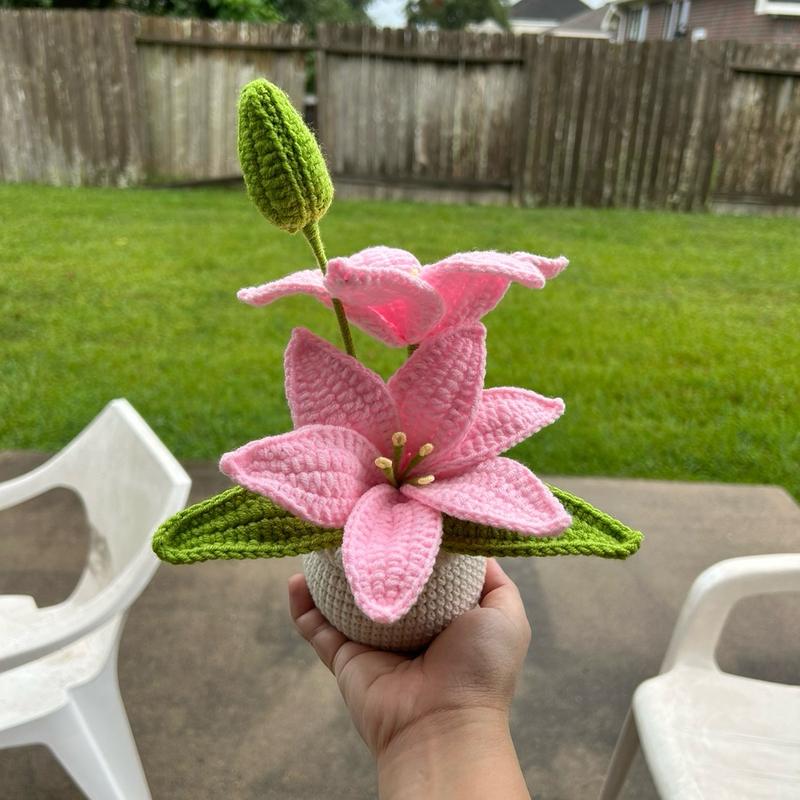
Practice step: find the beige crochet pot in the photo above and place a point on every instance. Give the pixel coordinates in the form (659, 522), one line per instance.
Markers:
(453, 588)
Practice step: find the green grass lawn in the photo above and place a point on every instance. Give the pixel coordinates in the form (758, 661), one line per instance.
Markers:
(674, 339)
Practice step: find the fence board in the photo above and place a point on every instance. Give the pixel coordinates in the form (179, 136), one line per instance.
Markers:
(430, 106)
(601, 130)
(192, 72)
(759, 144)
(68, 118)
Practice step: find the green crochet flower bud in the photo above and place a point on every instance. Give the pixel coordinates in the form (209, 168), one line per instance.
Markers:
(282, 164)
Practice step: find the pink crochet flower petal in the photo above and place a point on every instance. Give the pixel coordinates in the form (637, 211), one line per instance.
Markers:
(506, 416)
(306, 281)
(499, 492)
(317, 472)
(383, 295)
(438, 389)
(472, 284)
(389, 548)
(325, 386)
(382, 257)
(549, 267)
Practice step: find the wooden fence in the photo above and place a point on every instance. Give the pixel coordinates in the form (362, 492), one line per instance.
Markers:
(758, 150)
(191, 74)
(115, 98)
(70, 110)
(427, 109)
(111, 97)
(554, 121)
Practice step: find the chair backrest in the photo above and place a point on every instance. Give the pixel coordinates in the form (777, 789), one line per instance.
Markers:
(127, 478)
(129, 483)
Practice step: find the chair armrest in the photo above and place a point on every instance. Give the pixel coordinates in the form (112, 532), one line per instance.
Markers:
(714, 594)
(17, 490)
(48, 633)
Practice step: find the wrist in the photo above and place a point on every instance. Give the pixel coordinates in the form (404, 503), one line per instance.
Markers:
(462, 753)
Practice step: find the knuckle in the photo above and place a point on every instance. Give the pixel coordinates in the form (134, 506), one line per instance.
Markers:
(319, 628)
(310, 624)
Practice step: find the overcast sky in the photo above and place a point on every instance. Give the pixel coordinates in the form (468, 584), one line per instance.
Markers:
(390, 14)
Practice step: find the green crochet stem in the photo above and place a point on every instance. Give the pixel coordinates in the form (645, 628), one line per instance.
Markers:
(240, 524)
(284, 171)
(311, 232)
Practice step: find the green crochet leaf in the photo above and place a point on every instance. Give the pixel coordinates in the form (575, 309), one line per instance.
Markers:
(592, 533)
(240, 524)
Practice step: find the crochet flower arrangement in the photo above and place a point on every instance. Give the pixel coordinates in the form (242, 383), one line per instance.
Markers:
(390, 476)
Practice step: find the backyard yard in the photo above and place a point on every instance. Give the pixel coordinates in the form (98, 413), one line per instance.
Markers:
(672, 338)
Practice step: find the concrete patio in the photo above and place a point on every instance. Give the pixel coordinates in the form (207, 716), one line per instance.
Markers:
(226, 701)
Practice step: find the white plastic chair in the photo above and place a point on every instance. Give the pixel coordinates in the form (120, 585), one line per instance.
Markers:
(706, 734)
(58, 665)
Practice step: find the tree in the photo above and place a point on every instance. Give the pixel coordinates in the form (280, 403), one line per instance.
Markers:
(237, 10)
(455, 14)
(310, 12)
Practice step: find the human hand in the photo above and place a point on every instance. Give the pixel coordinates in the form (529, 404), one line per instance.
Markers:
(437, 705)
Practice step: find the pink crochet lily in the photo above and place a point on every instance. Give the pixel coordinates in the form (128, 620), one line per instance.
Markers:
(391, 296)
(386, 460)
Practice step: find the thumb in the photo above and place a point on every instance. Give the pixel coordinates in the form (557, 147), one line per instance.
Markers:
(501, 593)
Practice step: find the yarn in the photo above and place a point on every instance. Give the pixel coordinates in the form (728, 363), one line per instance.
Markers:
(400, 484)
(453, 588)
(592, 533)
(238, 524)
(391, 296)
(389, 547)
(318, 472)
(344, 416)
(283, 167)
(339, 466)
(326, 387)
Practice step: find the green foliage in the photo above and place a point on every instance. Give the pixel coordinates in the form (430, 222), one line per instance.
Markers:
(91, 4)
(455, 14)
(230, 10)
(310, 12)
(671, 337)
(282, 164)
(235, 10)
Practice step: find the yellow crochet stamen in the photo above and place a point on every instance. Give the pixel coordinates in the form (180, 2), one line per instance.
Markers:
(391, 467)
(423, 452)
(399, 440)
(385, 466)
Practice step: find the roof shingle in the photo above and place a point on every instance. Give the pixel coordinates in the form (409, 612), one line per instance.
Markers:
(546, 9)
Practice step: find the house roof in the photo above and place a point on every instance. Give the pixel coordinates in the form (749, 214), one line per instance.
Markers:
(587, 23)
(546, 9)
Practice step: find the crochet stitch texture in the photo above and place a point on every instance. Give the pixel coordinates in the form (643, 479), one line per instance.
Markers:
(340, 466)
(283, 168)
(238, 523)
(395, 491)
(454, 587)
(394, 298)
